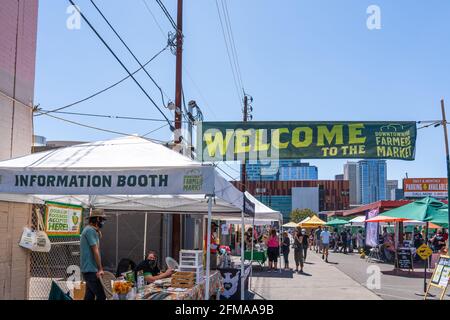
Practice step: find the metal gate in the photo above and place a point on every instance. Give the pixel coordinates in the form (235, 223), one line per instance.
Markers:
(61, 264)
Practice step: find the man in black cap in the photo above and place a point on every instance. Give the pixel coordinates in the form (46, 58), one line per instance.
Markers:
(91, 263)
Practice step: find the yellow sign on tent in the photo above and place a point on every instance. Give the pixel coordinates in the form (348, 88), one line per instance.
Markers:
(314, 222)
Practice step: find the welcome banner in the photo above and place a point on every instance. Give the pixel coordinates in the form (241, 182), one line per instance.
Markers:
(230, 141)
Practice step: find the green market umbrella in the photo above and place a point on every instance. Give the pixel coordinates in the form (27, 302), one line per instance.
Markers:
(336, 222)
(441, 218)
(426, 210)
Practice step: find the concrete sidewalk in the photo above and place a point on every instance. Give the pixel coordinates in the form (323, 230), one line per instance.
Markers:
(321, 281)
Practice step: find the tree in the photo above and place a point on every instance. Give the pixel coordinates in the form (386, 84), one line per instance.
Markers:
(298, 215)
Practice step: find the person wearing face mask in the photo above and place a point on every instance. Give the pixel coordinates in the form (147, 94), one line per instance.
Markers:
(90, 260)
(151, 270)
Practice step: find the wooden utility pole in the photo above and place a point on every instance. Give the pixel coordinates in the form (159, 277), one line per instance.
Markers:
(444, 125)
(176, 218)
(243, 168)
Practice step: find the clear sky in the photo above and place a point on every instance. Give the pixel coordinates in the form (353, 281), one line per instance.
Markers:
(302, 60)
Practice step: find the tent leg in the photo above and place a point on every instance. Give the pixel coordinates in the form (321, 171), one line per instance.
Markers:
(242, 258)
(145, 235)
(208, 248)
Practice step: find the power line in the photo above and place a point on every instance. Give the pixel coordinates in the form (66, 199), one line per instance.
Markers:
(232, 42)
(230, 60)
(167, 14)
(105, 89)
(121, 63)
(131, 52)
(154, 130)
(97, 128)
(154, 17)
(106, 116)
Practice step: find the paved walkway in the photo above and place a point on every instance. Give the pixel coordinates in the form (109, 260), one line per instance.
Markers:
(321, 280)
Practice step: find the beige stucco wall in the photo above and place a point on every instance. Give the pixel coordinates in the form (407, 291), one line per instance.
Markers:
(14, 261)
(18, 32)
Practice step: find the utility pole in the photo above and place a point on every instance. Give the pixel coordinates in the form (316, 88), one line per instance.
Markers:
(243, 169)
(444, 125)
(176, 218)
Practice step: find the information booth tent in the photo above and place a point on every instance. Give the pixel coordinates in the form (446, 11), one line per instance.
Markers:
(127, 173)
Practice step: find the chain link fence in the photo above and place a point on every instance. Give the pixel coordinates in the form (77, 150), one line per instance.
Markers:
(61, 264)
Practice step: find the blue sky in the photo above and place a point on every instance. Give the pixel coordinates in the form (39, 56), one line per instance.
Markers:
(302, 60)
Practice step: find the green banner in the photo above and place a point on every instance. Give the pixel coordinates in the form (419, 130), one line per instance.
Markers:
(257, 140)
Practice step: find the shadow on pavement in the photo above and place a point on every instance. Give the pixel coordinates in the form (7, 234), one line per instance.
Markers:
(288, 274)
(406, 274)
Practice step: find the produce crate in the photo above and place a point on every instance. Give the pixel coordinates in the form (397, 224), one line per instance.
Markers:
(197, 271)
(183, 279)
(193, 258)
(79, 290)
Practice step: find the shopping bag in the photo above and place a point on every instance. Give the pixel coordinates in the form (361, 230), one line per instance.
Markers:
(28, 238)
(42, 243)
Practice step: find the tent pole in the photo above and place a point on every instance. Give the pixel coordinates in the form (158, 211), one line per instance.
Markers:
(208, 248)
(117, 239)
(242, 257)
(251, 259)
(145, 234)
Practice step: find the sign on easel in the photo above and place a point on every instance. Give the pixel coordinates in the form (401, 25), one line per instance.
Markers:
(404, 259)
(440, 276)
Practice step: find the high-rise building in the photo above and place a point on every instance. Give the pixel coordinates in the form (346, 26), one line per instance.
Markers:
(287, 170)
(339, 177)
(18, 32)
(351, 174)
(284, 196)
(372, 180)
(391, 185)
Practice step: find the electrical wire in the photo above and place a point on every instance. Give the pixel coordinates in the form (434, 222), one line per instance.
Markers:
(154, 130)
(108, 116)
(104, 130)
(230, 59)
(154, 17)
(131, 52)
(232, 42)
(121, 63)
(102, 90)
(167, 14)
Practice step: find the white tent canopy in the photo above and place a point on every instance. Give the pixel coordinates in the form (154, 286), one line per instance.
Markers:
(128, 173)
(358, 221)
(122, 174)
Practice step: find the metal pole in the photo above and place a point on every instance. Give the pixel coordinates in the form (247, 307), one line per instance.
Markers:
(208, 248)
(426, 263)
(242, 256)
(444, 125)
(145, 234)
(117, 239)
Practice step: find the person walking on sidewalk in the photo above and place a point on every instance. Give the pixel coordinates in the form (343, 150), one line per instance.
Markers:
(336, 239)
(317, 239)
(304, 244)
(285, 249)
(273, 250)
(344, 238)
(325, 240)
(298, 250)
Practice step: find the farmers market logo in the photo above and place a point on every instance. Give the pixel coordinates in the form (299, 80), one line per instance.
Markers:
(193, 181)
(393, 141)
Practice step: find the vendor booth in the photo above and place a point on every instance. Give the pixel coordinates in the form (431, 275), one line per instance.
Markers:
(128, 173)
